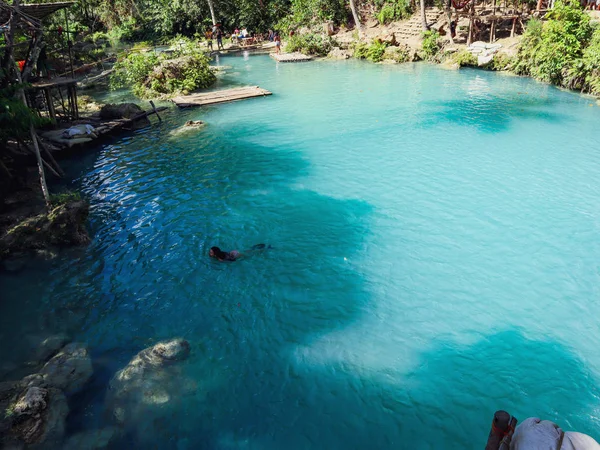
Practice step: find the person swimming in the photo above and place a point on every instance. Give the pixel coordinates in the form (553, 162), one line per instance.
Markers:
(220, 255)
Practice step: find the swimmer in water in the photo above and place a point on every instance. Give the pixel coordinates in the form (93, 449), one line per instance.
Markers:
(220, 255)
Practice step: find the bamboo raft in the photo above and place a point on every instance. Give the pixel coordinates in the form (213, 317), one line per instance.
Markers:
(101, 128)
(222, 96)
(290, 57)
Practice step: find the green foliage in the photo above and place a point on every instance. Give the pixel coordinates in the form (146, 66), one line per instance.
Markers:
(431, 44)
(501, 61)
(15, 116)
(551, 49)
(64, 197)
(310, 44)
(395, 10)
(149, 74)
(376, 50)
(309, 13)
(133, 69)
(464, 58)
(360, 50)
(584, 74)
(373, 52)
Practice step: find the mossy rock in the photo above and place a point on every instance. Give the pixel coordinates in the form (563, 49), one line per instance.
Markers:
(63, 226)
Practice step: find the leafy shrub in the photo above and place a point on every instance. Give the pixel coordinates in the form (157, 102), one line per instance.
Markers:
(149, 74)
(182, 74)
(376, 50)
(551, 49)
(396, 10)
(310, 44)
(312, 12)
(464, 58)
(373, 52)
(15, 116)
(584, 73)
(64, 197)
(133, 69)
(360, 50)
(501, 61)
(431, 44)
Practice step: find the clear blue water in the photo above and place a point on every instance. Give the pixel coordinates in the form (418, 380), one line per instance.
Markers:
(436, 258)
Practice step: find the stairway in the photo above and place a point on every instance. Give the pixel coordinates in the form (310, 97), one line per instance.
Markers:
(413, 28)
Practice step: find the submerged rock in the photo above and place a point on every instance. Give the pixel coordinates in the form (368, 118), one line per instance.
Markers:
(46, 348)
(31, 414)
(70, 369)
(93, 439)
(63, 226)
(150, 380)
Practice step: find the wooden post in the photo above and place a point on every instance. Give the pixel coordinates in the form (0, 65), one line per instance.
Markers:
(155, 111)
(69, 44)
(514, 26)
(50, 103)
(76, 113)
(500, 425)
(506, 440)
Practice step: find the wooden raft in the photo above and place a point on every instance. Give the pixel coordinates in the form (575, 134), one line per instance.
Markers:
(290, 57)
(226, 95)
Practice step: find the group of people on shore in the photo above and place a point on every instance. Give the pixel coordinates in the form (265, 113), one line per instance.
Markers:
(238, 35)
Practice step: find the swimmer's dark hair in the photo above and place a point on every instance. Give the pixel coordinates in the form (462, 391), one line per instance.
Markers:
(220, 254)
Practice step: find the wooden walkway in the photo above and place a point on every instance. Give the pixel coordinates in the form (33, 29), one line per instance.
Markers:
(223, 96)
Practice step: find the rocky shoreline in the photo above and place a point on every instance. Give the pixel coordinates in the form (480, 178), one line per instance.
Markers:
(34, 409)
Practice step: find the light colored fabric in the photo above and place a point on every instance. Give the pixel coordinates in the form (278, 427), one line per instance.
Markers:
(78, 130)
(579, 441)
(536, 434)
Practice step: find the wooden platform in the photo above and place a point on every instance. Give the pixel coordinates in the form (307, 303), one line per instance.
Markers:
(223, 96)
(290, 57)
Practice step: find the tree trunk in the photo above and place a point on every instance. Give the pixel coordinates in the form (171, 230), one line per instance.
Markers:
(8, 63)
(38, 43)
(355, 16)
(40, 167)
(424, 16)
(448, 8)
(211, 6)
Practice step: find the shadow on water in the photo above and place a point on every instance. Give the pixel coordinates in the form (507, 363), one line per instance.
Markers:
(447, 401)
(156, 209)
(489, 113)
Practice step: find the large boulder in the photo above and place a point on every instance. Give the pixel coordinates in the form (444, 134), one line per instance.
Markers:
(339, 53)
(151, 379)
(63, 226)
(69, 369)
(113, 111)
(32, 413)
(47, 347)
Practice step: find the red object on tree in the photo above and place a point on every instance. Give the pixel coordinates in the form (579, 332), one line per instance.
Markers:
(21, 65)
(60, 30)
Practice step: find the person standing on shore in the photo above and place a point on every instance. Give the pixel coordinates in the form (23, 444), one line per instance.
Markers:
(277, 40)
(219, 38)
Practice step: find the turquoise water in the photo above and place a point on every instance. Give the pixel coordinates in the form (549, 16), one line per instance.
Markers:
(435, 259)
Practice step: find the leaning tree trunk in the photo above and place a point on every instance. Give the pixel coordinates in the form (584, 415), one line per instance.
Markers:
(424, 16)
(355, 15)
(211, 6)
